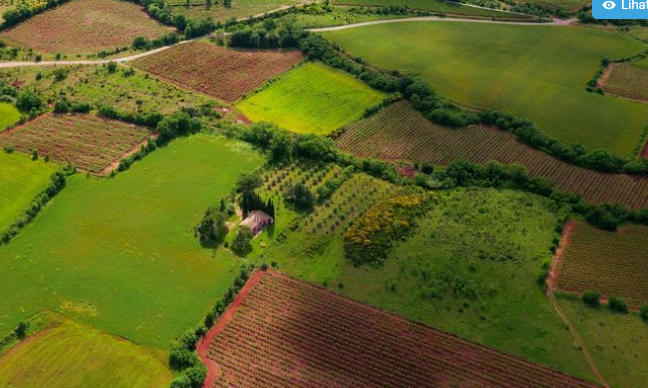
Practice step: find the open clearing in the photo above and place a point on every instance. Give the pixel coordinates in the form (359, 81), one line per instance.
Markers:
(86, 141)
(399, 132)
(288, 332)
(21, 179)
(311, 99)
(120, 254)
(628, 81)
(8, 115)
(534, 72)
(461, 271)
(216, 71)
(84, 27)
(613, 263)
(70, 354)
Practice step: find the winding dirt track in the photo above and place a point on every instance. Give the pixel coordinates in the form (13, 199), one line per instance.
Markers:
(6, 65)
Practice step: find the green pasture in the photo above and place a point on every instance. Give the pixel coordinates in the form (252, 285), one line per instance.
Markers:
(436, 7)
(312, 98)
(120, 253)
(535, 72)
(21, 179)
(617, 342)
(70, 354)
(492, 262)
(8, 115)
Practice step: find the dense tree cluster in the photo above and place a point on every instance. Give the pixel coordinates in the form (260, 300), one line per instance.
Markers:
(24, 11)
(250, 200)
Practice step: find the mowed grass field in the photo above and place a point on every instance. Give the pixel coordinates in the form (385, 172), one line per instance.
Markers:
(84, 27)
(120, 254)
(311, 99)
(21, 179)
(613, 263)
(399, 132)
(87, 141)
(216, 71)
(461, 271)
(535, 72)
(8, 115)
(70, 354)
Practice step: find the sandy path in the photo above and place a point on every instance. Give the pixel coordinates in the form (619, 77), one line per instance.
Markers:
(213, 370)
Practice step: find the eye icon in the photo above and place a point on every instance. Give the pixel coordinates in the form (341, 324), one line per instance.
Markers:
(609, 5)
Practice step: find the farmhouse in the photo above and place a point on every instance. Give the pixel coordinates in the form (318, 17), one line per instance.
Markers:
(257, 221)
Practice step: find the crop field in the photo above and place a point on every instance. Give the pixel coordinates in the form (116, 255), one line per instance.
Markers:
(628, 81)
(617, 342)
(437, 7)
(401, 133)
(6, 5)
(311, 99)
(285, 326)
(21, 179)
(216, 71)
(84, 27)
(239, 9)
(8, 115)
(610, 262)
(537, 73)
(126, 260)
(69, 354)
(86, 141)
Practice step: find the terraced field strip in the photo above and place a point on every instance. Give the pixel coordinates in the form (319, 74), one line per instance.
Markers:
(289, 333)
(223, 73)
(613, 263)
(89, 142)
(84, 27)
(401, 133)
(628, 81)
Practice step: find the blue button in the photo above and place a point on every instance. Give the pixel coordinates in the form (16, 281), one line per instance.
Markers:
(620, 9)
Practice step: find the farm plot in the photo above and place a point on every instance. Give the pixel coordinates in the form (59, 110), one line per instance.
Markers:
(120, 254)
(400, 132)
(86, 141)
(628, 81)
(69, 354)
(8, 115)
(221, 10)
(287, 332)
(21, 180)
(84, 27)
(537, 73)
(216, 71)
(613, 263)
(311, 99)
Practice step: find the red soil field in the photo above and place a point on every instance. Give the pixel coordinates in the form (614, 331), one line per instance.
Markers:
(401, 133)
(613, 263)
(287, 333)
(89, 142)
(85, 27)
(223, 73)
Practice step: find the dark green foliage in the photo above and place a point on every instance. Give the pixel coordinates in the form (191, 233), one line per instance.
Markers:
(242, 242)
(212, 229)
(181, 358)
(177, 124)
(618, 305)
(61, 106)
(592, 298)
(28, 100)
(112, 67)
(643, 312)
(21, 330)
(248, 182)
(302, 196)
(180, 381)
(250, 201)
(24, 11)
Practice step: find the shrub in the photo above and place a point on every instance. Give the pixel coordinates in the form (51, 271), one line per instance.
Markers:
(618, 305)
(242, 242)
(592, 298)
(61, 106)
(643, 312)
(21, 330)
(180, 381)
(181, 358)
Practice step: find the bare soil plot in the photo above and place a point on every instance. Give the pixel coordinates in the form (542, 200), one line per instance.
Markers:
(401, 133)
(613, 263)
(87, 141)
(289, 333)
(628, 81)
(216, 71)
(84, 27)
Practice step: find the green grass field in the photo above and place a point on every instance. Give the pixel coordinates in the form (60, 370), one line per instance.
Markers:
(21, 179)
(462, 271)
(69, 354)
(534, 72)
(616, 342)
(311, 99)
(120, 253)
(8, 115)
(437, 7)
